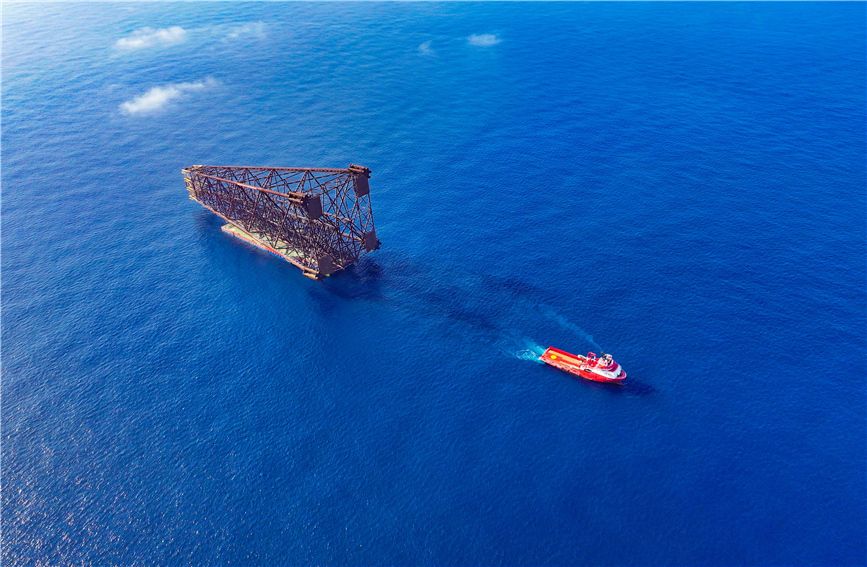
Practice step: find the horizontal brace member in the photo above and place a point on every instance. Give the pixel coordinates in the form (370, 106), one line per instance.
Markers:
(266, 168)
(294, 196)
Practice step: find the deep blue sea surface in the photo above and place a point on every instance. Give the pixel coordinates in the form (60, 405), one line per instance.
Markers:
(680, 184)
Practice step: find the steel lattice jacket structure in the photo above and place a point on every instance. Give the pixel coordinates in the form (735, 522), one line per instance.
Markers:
(318, 219)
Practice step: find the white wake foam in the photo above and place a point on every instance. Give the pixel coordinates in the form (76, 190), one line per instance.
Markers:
(531, 351)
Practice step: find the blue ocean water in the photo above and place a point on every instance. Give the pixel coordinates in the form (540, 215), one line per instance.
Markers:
(682, 184)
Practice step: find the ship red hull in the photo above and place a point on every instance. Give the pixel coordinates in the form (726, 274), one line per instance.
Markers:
(577, 365)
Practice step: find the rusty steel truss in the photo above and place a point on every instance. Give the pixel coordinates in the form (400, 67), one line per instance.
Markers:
(318, 219)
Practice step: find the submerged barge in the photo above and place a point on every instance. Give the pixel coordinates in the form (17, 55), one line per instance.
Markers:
(318, 219)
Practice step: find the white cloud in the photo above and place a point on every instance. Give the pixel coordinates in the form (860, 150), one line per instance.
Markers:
(425, 48)
(144, 38)
(483, 39)
(157, 98)
(150, 37)
(252, 29)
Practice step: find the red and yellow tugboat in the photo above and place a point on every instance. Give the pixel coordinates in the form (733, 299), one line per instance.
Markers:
(601, 369)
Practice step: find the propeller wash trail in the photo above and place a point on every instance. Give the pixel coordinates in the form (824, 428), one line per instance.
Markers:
(317, 219)
(531, 353)
(569, 326)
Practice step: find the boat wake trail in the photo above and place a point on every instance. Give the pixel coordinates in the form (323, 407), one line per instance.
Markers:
(505, 310)
(570, 326)
(531, 352)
